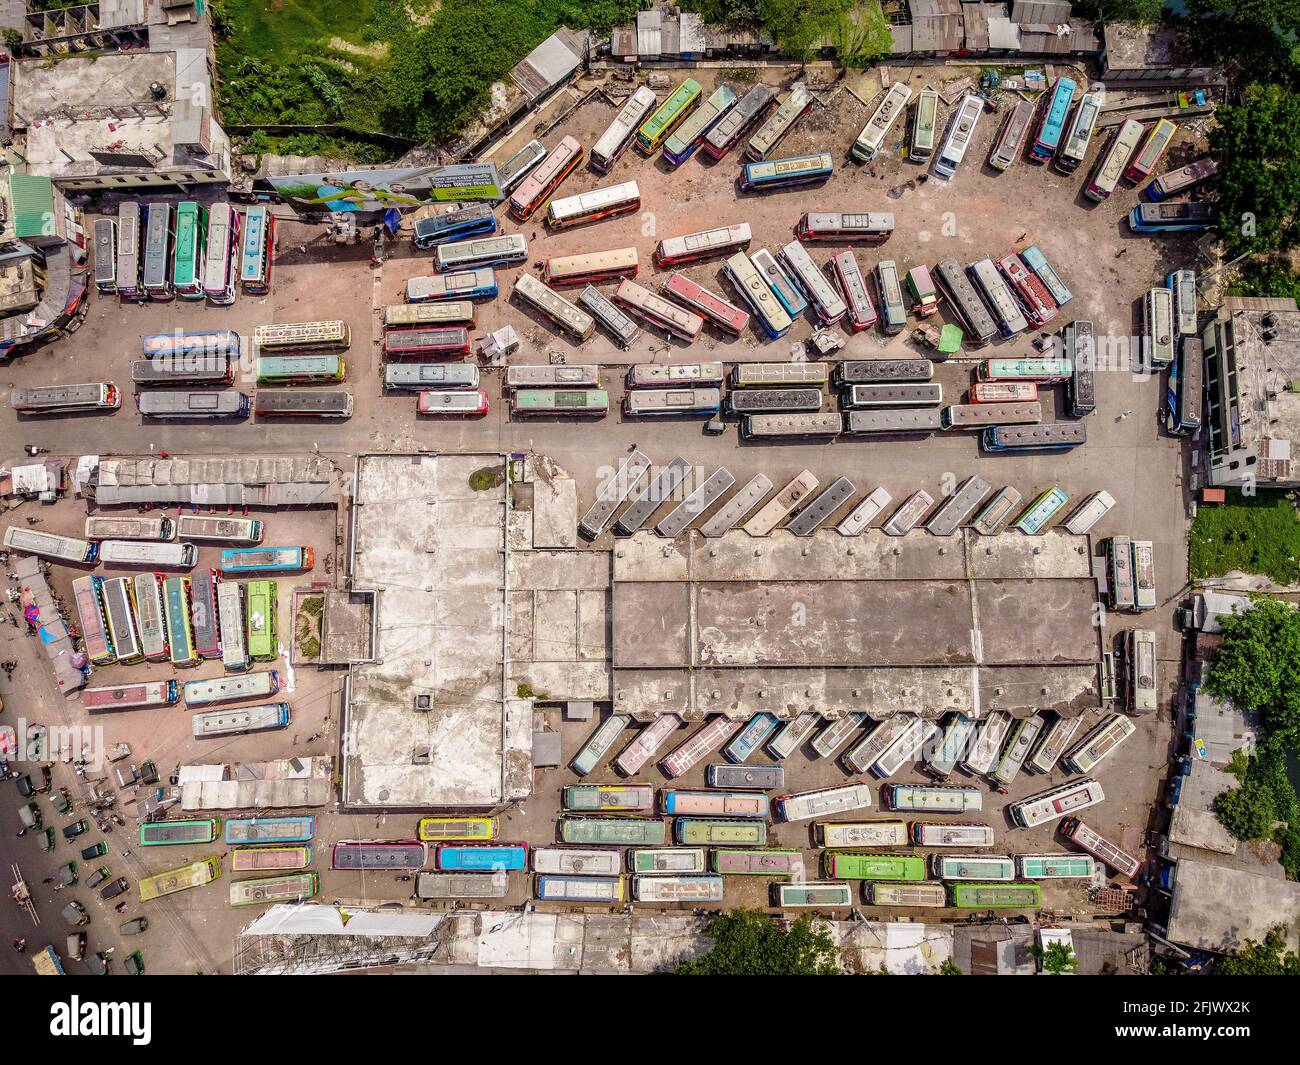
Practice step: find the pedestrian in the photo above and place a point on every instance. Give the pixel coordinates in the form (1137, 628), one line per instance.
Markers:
(58, 887)
(22, 832)
(125, 854)
(48, 880)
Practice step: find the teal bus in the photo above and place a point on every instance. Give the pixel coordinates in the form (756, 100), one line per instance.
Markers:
(180, 627)
(1014, 896)
(1055, 866)
(251, 560)
(842, 865)
(174, 833)
(964, 866)
(189, 250)
(629, 831)
(1044, 370)
(1042, 510)
(299, 369)
(242, 830)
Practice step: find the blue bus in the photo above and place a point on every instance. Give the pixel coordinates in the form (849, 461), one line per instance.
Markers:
(1052, 436)
(1171, 217)
(1184, 397)
(787, 294)
(474, 220)
(243, 830)
(751, 737)
(480, 857)
(784, 173)
(477, 284)
(1037, 262)
(241, 560)
(1049, 133)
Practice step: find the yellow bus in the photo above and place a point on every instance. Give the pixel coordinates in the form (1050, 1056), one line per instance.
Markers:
(449, 829)
(196, 874)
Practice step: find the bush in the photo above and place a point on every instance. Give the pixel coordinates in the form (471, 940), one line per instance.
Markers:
(750, 943)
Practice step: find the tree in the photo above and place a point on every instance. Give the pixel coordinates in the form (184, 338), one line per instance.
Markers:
(1143, 12)
(863, 35)
(800, 26)
(1258, 665)
(949, 968)
(1270, 958)
(1057, 959)
(750, 943)
(1248, 812)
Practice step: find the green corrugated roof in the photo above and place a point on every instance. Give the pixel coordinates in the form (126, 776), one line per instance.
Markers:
(33, 202)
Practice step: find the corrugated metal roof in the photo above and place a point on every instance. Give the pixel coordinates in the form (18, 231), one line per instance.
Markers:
(1040, 11)
(1004, 35)
(975, 21)
(32, 198)
(941, 34)
(902, 38)
(692, 39)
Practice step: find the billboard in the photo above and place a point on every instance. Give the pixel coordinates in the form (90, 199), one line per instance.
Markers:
(378, 189)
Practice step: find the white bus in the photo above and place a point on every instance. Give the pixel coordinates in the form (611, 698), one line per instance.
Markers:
(812, 283)
(1023, 736)
(675, 861)
(150, 612)
(106, 255)
(925, 834)
(578, 861)
(1141, 690)
(546, 376)
(1097, 744)
(1008, 316)
(1158, 326)
(127, 276)
(861, 516)
(835, 733)
(554, 306)
(260, 685)
(222, 530)
(932, 798)
(952, 747)
(222, 256)
(861, 833)
(1089, 512)
(959, 506)
(615, 322)
(119, 609)
(695, 889)
(130, 529)
(49, 545)
(1065, 799)
(594, 206)
(749, 283)
(1052, 744)
(230, 614)
(782, 121)
(614, 141)
(504, 250)
(824, 802)
(864, 755)
(984, 751)
(153, 554)
(791, 735)
(657, 311)
(902, 750)
(60, 399)
(262, 718)
(691, 247)
(961, 128)
(873, 134)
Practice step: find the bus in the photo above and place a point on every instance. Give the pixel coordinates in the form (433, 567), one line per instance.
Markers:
(1182, 283)
(959, 506)
(646, 744)
(1011, 136)
(579, 888)
(219, 530)
(1041, 511)
(812, 283)
(242, 560)
(902, 750)
(925, 834)
(1037, 370)
(1039, 307)
(771, 863)
(675, 375)
(925, 122)
(925, 894)
(1089, 512)
(797, 102)
(477, 284)
(836, 733)
(741, 503)
(178, 833)
(893, 310)
(761, 400)
(864, 755)
(691, 889)
(1052, 743)
(712, 308)
(60, 399)
(1080, 349)
(681, 145)
(130, 696)
(618, 135)
(454, 312)
(599, 743)
(261, 622)
(761, 300)
(1052, 128)
(964, 866)
(853, 287)
(703, 741)
(594, 206)
(1176, 181)
(126, 277)
(868, 143)
(292, 887)
(106, 255)
(785, 173)
(151, 616)
(1006, 310)
(196, 874)
(1044, 271)
(624, 831)
(780, 426)
(965, 302)
(995, 513)
(941, 758)
(506, 249)
(216, 690)
(185, 349)
(130, 528)
(461, 885)
(892, 395)
(414, 376)
(553, 306)
(849, 866)
(1055, 867)
(240, 720)
(1171, 217)
(932, 798)
(460, 223)
(1120, 581)
(1111, 164)
(398, 855)
(739, 775)
(202, 370)
(298, 404)
(1055, 436)
(302, 336)
(1097, 744)
(961, 128)
(157, 273)
(537, 187)
(277, 830)
(544, 376)
(738, 121)
(161, 554)
(656, 311)
(1152, 150)
(785, 290)
(602, 798)
(860, 833)
(1063, 799)
(189, 251)
(621, 327)
(1185, 393)
(590, 268)
(995, 896)
(119, 609)
(230, 616)
(259, 250)
(176, 614)
(671, 861)
(671, 401)
(909, 515)
(1075, 148)
(713, 832)
(714, 803)
(1073, 829)
(984, 751)
(807, 805)
(222, 262)
(980, 415)
(1158, 326)
(551, 401)
(245, 830)
(425, 344)
(692, 247)
(864, 513)
(257, 859)
(819, 893)
(88, 592)
(299, 369)
(458, 829)
(519, 166)
(883, 371)
(668, 116)
(1024, 733)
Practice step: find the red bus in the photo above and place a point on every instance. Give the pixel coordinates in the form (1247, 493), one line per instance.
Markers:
(1039, 306)
(537, 187)
(712, 308)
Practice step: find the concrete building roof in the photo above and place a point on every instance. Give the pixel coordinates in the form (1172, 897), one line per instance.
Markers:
(1218, 908)
(1221, 727)
(232, 481)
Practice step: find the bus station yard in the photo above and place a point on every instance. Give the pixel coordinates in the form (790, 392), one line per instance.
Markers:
(979, 213)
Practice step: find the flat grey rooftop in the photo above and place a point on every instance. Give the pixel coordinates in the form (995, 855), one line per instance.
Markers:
(1218, 908)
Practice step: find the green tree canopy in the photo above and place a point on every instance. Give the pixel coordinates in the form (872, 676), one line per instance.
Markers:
(1258, 665)
(1270, 958)
(1248, 812)
(750, 943)
(1057, 958)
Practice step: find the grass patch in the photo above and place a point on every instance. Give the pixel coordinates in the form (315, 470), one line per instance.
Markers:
(487, 478)
(1255, 534)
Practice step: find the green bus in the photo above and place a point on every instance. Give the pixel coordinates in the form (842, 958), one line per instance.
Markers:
(842, 865)
(299, 369)
(632, 831)
(173, 833)
(995, 896)
(705, 832)
(189, 252)
(655, 130)
(261, 627)
(592, 401)
(180, 625)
